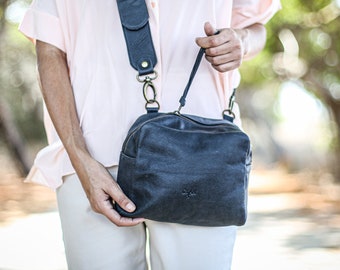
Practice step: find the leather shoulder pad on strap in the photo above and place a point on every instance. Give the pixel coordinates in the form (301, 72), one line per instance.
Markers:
(134, 17)
(134, 14)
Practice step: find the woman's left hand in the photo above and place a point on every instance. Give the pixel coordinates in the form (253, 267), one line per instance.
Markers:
(224, 50)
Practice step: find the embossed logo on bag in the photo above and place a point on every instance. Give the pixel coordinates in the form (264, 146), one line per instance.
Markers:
(189, 194)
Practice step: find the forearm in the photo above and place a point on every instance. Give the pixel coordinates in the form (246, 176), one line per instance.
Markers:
(98, 184)
(58, 96)
(253, 39)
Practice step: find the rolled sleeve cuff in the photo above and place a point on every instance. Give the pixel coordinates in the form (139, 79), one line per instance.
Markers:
(37, 25)
(259, 13)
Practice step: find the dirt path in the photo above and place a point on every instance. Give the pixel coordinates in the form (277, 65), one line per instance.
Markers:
(293, 224)
(284, 237)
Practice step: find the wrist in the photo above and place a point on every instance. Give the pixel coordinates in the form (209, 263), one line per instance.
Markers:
(244, 37)
(79, 155)
(245, 41)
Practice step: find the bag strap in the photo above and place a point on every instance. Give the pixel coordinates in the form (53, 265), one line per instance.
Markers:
(134, 17)
(198, 60)
(135, 22)
(227, 114)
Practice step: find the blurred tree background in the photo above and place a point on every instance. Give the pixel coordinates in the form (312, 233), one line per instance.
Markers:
(289, 97)
(294, 88)
(20, 102)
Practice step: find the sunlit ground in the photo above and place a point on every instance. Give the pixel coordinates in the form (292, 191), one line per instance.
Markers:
(293, 224)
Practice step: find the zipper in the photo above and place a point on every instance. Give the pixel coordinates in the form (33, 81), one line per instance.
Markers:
(234, 129)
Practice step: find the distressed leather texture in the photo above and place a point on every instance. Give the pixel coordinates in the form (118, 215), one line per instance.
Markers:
(135, 22)
(186, 169)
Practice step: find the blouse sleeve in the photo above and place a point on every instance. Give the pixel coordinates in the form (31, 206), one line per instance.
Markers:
(248, 12)
(41, 22)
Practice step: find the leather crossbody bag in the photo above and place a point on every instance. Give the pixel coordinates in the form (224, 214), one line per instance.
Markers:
(175, 167)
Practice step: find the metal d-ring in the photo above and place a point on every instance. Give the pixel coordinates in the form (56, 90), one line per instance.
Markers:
(151, 102)
(229, 112)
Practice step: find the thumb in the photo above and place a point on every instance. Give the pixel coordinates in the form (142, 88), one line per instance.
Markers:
(209, 29)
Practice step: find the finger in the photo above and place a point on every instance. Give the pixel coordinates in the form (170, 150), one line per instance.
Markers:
(223, 56)
(209, 29)
(231, 45)
(227, 66)
(116, 193)
(219, 60)
(225, 48)
(211, 41)
(109, 211)
(213, 38)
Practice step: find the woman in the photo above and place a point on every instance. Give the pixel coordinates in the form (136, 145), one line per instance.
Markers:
(92, 98)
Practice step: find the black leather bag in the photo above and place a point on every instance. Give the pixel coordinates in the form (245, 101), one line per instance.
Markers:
(185, 169)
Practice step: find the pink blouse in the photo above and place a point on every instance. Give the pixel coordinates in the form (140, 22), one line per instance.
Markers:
(108, 96)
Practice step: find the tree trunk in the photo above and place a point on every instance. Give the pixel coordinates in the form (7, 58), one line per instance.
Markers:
(315, 86)
(13, 140)
(8, 129)
(335, 109)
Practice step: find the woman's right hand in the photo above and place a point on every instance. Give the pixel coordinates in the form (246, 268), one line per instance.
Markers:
(103, 192)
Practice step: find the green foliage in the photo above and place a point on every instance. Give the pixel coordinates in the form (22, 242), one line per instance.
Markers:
(311, 27)
(314, 26)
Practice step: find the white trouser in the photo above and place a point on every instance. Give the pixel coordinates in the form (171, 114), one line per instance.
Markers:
(92, 242)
